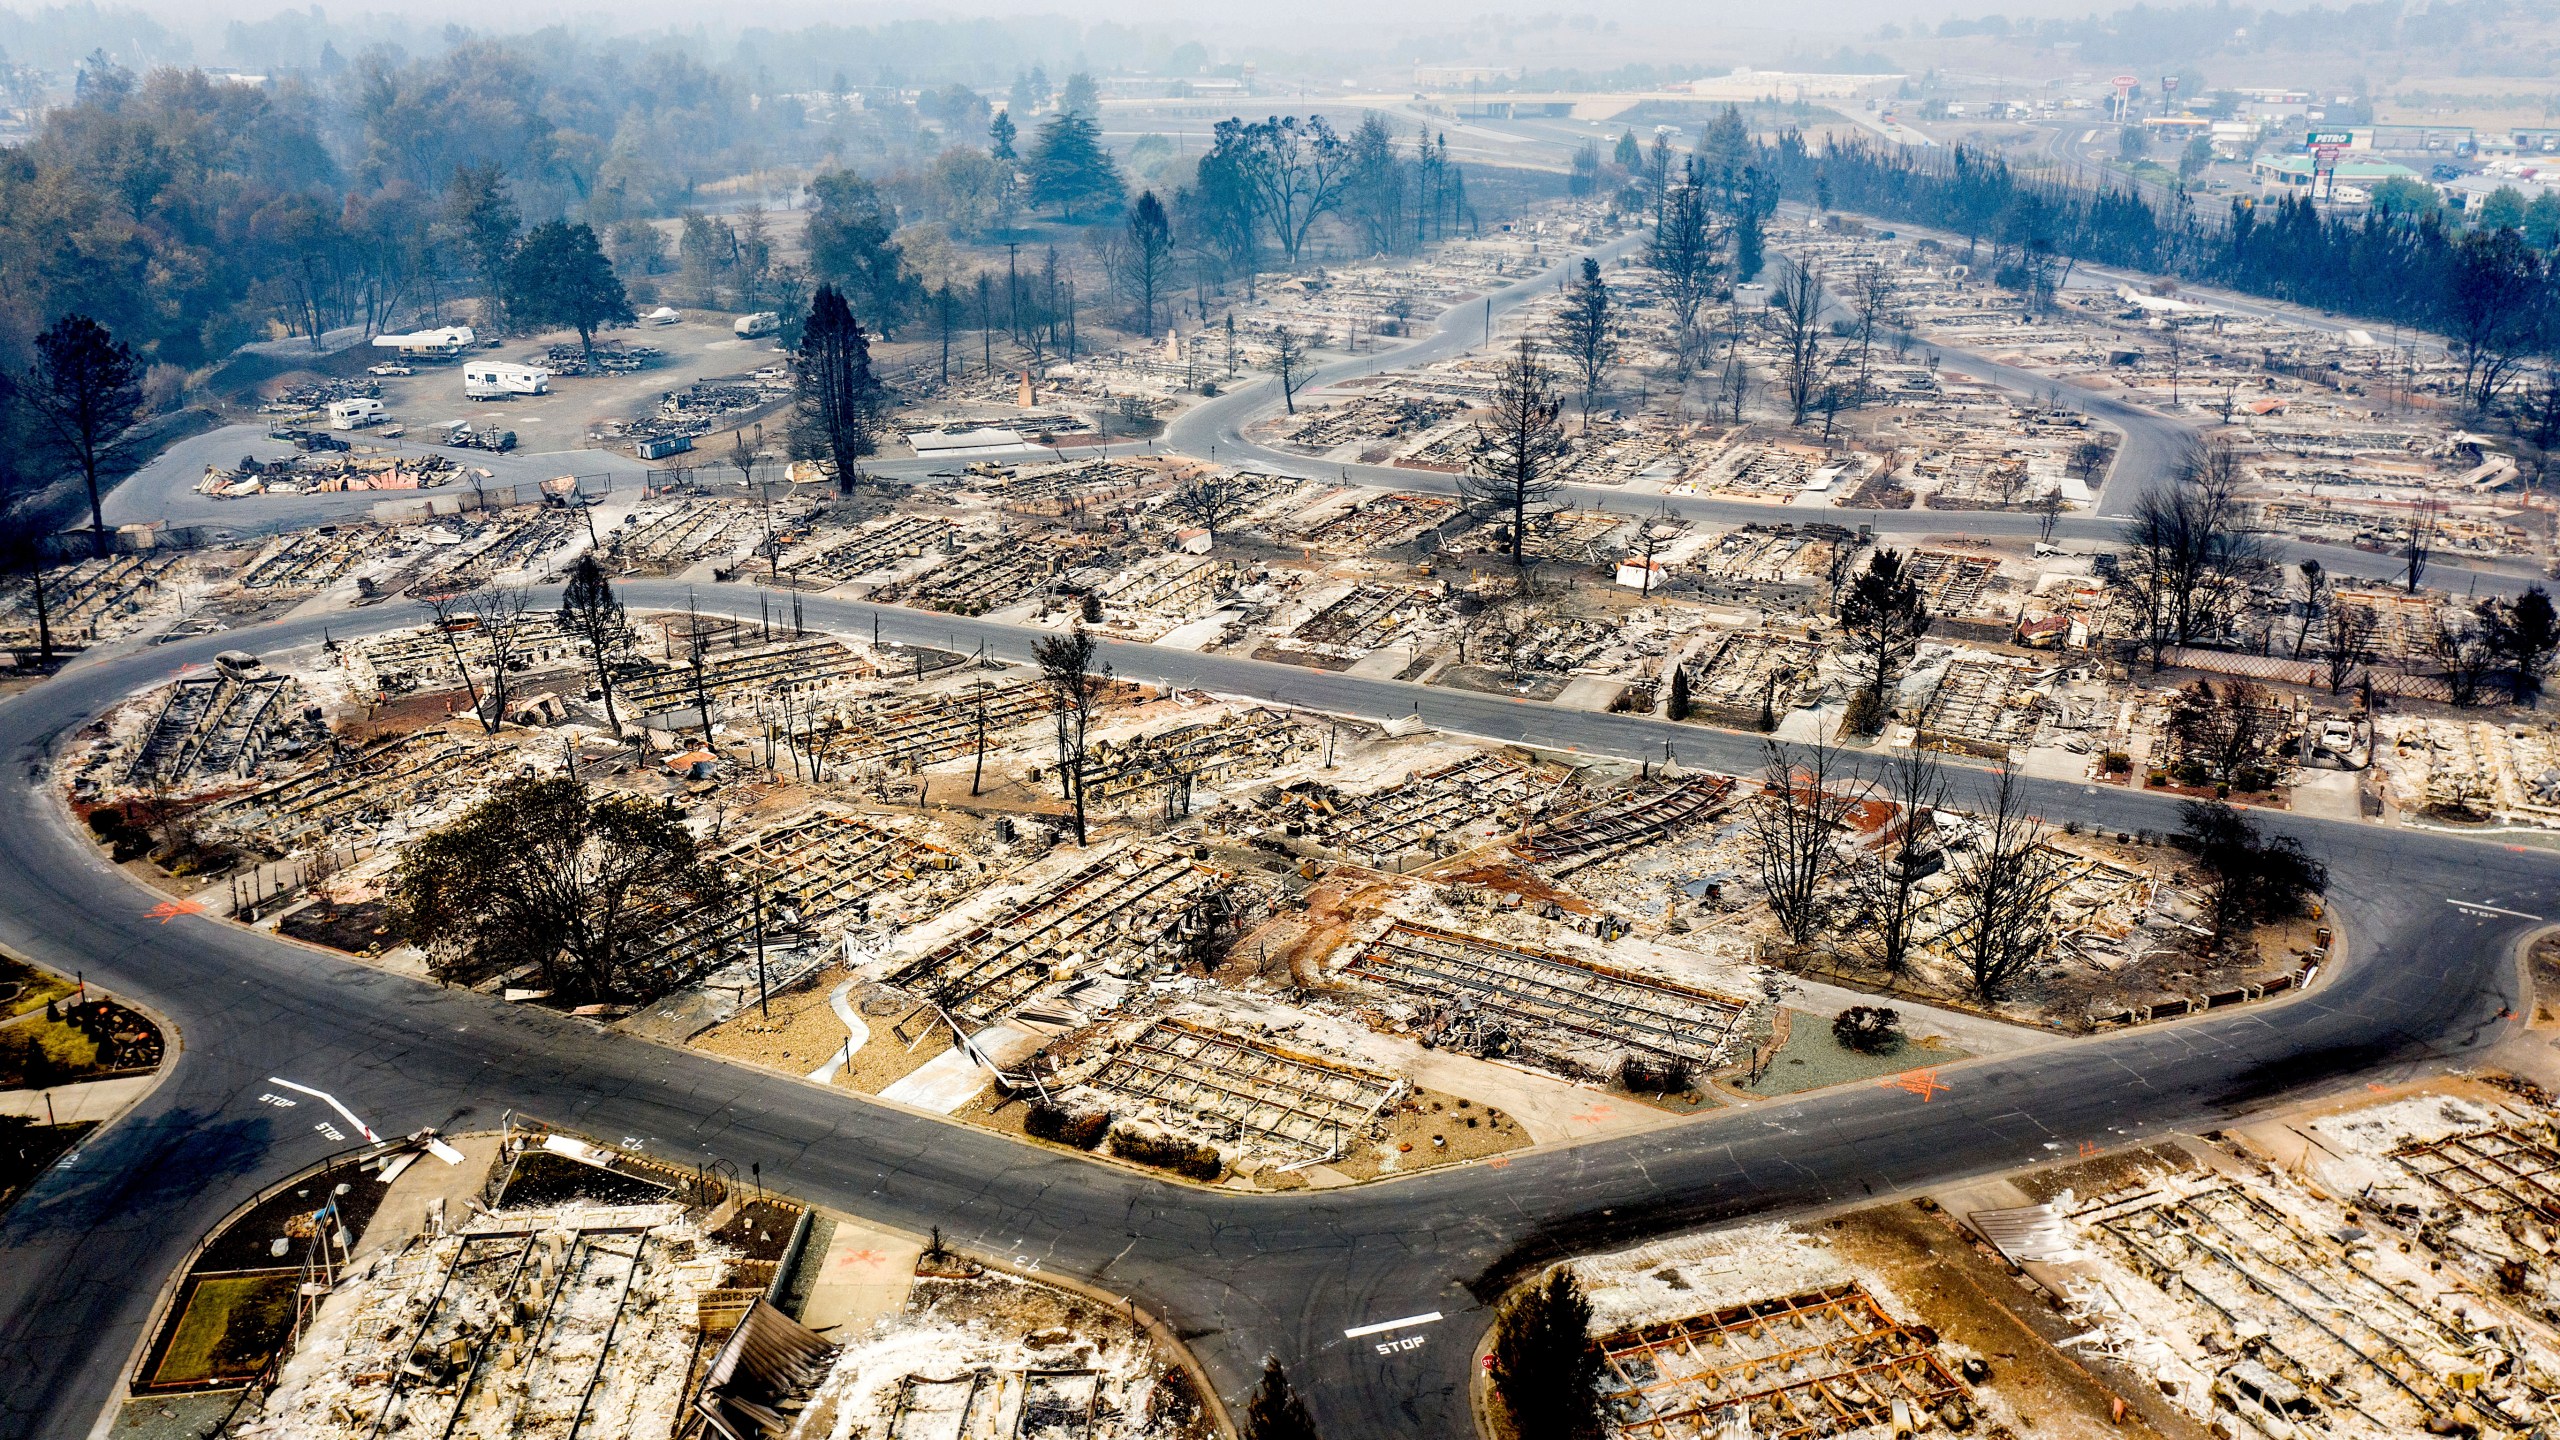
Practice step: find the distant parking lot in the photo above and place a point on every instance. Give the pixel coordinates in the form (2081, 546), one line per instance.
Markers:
(701, 348)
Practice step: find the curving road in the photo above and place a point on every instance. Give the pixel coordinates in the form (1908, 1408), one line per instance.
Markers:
(2151, 448)
(2422, 981)
(2150, 451)
(1241, 1276)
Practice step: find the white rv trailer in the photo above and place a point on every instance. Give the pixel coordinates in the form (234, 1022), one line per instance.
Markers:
(440, 344)
(356, 413)
(496, 380)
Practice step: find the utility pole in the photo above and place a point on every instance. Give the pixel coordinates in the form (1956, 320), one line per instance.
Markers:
(979, 773)
(762, 1005)
(1013, 289)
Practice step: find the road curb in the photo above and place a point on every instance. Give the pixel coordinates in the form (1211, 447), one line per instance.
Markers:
(172, 1051)
(129, 1372)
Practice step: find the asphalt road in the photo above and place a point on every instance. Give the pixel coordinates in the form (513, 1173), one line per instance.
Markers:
(2152, 443)
(2152, 446)
(2423, 980)
(165, 490)
(1241, 1276)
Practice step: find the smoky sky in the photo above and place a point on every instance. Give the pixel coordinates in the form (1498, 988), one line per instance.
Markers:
(1314, 37)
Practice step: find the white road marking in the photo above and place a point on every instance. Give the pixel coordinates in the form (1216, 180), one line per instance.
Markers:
(1383, 1326)
(2489, 909)
(361, 1128)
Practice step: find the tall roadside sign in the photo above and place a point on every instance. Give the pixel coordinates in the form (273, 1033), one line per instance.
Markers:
(2325, 147)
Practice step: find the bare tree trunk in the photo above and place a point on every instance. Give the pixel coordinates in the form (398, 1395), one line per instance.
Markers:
(978, 773)
(1916, 786)
(1068, 670)
(1805, 798)
(2003, 893)
(446, 607)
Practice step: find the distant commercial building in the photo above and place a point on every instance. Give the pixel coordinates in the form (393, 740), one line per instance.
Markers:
(1745, 86)
(2236, 138)
(2177, 129)
(1523, 107)
(1458, 77)
(2469, 192)
(2293, 172)
(2417, 139)
(2282, 112)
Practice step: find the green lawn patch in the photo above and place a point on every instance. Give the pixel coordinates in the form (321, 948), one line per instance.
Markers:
(231, 1326)
(1812, 1059)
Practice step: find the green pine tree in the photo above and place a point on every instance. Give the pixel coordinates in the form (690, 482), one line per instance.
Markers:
(560, 276)
(852, 245)
(1070, 169)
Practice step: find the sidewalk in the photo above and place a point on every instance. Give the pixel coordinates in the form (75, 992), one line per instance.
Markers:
(1975, 1034)
(862, 1279)
(96, 1100)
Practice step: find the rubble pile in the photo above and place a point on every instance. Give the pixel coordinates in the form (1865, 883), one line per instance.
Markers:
(516, 1322)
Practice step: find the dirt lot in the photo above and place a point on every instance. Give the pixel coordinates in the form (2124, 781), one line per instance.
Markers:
(362, 928)
(1297, 944)
(2105, 1173)
(803, 1033)
(701, 348)
(1433, 1130)
(1968, 1295)
(798, 1034)
(2542, 962)
(1464, 1130)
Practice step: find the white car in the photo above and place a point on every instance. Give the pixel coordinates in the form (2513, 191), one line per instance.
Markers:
(389, 369)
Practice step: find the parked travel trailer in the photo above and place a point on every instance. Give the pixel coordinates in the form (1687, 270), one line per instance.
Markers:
(758, 325)
(356, 414)
(496, 380)
(443, 343)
